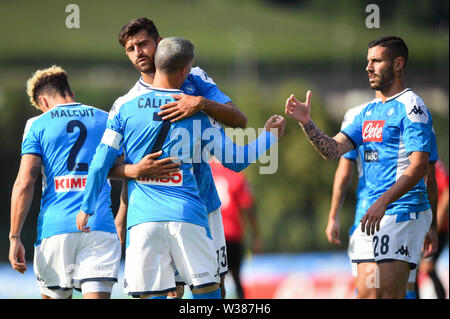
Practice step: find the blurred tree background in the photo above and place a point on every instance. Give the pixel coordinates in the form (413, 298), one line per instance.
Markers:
(258, 52)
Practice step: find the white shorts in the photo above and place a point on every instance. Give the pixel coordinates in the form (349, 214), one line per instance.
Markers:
(350, 253)
(66, 261)
(400, 237)
(218, 237)
(157, 249)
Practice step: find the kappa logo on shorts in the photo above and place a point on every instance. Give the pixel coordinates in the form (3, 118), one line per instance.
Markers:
(174, 179)
(70, 183)
(373, 131)
(403, 251)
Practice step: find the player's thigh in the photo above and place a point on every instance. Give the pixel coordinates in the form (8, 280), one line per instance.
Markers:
(192, 250)
(393, 279)
(367, 280)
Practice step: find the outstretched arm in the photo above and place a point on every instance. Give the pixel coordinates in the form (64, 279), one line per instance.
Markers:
(21, 198)
(328, 147)
(237, 158)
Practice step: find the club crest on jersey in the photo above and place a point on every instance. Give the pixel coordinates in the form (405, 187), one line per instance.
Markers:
(174, 179)
(70, 183)
(373, 131)
(189, 89)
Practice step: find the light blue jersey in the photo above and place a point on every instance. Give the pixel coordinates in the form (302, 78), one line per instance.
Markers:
(133, 122)
(198, 83)
(388, 133)
(66, 138)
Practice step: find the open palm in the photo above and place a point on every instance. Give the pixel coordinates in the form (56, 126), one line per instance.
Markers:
(297, 110)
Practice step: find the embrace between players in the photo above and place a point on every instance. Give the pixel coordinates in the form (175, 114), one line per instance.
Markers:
(169, 217)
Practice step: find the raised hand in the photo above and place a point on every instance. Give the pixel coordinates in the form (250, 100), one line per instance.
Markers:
(297, 110)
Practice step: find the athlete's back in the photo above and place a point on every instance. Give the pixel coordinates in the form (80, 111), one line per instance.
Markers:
(65, 138)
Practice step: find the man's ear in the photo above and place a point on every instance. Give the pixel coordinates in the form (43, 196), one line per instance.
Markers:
(43, 103)
(399, 64)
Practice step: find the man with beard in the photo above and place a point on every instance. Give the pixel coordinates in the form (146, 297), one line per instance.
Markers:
(395, 132)
(140, 38)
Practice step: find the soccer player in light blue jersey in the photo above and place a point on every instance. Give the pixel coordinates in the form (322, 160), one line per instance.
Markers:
(167, 220)
(396, 134)
(360, 251)
(61, 143)
(140, 38)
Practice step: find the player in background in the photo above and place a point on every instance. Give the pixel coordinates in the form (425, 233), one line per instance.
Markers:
(341, 183)
(238, 212)
(428, 265)
(61, 143)
(167, 220)
(396, 134)
(140, 37)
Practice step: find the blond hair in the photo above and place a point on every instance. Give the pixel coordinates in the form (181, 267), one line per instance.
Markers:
(51, 80)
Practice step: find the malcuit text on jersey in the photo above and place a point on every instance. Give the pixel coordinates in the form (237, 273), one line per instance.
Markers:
(69, 113)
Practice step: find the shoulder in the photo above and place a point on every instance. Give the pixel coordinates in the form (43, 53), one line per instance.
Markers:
(414, 107)
(351, 113)
(199, 75)
(122, 100)
(33, 123)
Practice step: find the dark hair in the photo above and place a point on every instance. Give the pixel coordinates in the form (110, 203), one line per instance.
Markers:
(136, 26)
(396, 47)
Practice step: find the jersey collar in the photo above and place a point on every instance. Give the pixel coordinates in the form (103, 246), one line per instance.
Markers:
(397, 95)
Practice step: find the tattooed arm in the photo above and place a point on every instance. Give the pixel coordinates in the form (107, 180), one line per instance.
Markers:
(21, 198)
(328, 147)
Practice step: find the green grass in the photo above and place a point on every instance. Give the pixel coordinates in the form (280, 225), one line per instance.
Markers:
(221, 30)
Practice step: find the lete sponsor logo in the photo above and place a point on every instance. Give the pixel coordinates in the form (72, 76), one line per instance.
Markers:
(174, 179)
(373, 131)
(70, 183)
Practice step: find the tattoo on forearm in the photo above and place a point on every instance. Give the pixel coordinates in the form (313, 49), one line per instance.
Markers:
(325, 145)
(34, 172)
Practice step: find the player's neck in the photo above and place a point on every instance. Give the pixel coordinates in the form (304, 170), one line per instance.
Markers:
(165, 81)
(397, 86)
(148, 77)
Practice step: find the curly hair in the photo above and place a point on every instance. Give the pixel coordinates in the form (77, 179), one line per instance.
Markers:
(52, 80)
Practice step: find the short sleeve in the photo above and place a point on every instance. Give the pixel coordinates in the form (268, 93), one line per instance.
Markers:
(416, 127)
(31, 142)
(206, 86)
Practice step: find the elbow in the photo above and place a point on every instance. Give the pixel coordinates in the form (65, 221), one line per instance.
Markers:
(24, 186)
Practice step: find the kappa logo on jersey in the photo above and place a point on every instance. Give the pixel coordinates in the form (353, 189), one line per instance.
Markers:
(70, 183)
(174, 179)
(416, 110)
(417, 113)
(373, 131)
